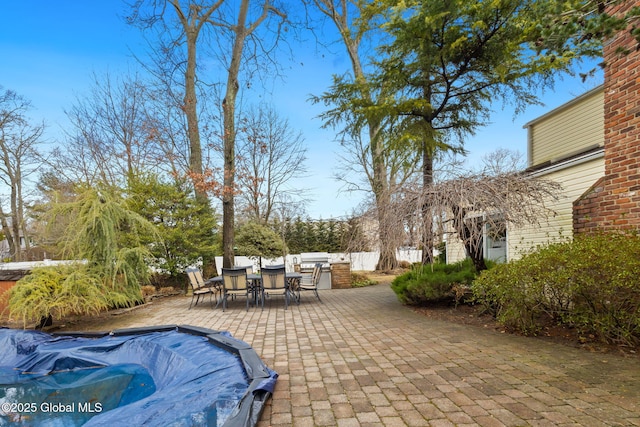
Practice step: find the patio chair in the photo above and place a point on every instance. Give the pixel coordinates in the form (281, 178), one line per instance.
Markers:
(310, 283)
(235, 283)
(274, 282)
(249, 268)
(199, 288)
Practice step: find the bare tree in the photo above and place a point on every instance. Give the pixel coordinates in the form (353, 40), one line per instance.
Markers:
(238, 23)
(272, 155)
(367, 137)
(170, 127)
(243, 28)
(18, 159)
(191, 17)
(472, 204)
(114, 138)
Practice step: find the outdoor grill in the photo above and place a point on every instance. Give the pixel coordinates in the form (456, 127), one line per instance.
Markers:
(309, 260)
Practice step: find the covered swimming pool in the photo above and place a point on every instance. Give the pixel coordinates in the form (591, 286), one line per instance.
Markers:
(159, 376)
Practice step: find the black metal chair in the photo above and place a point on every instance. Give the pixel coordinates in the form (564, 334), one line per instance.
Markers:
(249, 268)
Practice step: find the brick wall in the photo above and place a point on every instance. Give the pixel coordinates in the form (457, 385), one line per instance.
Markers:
(613, 203)
(5, 285)
(340, 275)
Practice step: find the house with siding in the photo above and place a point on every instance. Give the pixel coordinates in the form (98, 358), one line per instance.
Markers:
(565, 145)
(592, 147)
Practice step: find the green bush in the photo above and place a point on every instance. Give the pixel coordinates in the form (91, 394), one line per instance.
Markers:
(63, 290)
(590, 283)
(104, 233)
(359, 280)
(426, 284)
(56, 292)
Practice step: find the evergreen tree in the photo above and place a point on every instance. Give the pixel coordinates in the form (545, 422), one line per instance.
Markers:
(112, 261)
(186, 224)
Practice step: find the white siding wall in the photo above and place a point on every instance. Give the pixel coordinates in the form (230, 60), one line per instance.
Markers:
(455, 247)
(561, 134)
(575, 180)
(455, 250)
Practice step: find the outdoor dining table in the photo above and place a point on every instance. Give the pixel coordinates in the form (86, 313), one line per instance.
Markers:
(255, 280)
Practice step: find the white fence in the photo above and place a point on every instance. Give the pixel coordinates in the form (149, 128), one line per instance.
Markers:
(366, 261)
(360, 261)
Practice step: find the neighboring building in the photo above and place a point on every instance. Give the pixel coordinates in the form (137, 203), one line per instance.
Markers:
(565, 145)
(5, 251)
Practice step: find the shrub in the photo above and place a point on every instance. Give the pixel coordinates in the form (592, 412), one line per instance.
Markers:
(589, 283)
(404, 265)
(102, 231)
(57, 292)
(359, 280)
(148, 291)
(426, 284)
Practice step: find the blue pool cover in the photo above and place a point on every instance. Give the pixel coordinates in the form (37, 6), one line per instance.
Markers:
(160, 376)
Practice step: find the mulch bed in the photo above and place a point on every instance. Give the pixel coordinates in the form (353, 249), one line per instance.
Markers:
(473, 316)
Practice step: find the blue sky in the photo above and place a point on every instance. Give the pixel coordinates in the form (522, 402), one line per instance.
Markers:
(49, 49)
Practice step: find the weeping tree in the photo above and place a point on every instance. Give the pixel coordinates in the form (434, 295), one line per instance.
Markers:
(477, 204)
(104, 237)
(273, 156)
(449, 62)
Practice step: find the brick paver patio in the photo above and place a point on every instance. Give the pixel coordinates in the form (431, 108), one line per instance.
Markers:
(362, 359)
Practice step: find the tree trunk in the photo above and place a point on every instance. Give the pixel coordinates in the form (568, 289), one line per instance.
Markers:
(191, 112)
(472, 240)
(379, 179)
(387, 221)
(8, 235)
(192, 24)
(387, 226)
(16, 216)
(478, 262)
(427, 215)
(229, 150)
